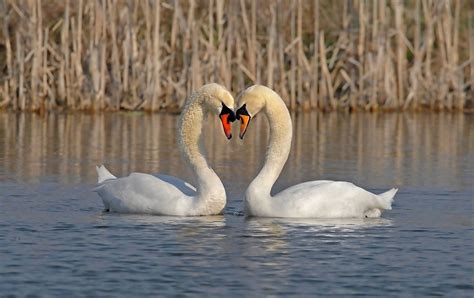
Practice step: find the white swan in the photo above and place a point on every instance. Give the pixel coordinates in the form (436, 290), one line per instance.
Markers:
(314, 199)
(166, 195)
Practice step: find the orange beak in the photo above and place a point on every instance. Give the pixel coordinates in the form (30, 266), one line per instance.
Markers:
(226, 125)
(244, 123)
(244, 117)
(227, 116)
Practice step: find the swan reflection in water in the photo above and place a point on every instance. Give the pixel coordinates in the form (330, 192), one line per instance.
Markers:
(262, 226)
(210, 226)
(287, 225)
(285, 237)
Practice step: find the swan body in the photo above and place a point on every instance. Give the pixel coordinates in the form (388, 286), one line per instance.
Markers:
(314, 199)
(167, 195)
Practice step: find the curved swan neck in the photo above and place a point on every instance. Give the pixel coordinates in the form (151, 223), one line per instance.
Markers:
(192, 148)
(189, 134)
(279, 145)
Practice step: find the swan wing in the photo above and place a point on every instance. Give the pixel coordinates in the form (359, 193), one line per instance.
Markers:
(180, 184)
(329, 199)
(144, 193)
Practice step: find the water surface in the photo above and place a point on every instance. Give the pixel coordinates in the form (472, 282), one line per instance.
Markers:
(55, 239)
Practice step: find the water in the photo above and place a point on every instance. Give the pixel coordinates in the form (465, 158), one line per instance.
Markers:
(56, 241)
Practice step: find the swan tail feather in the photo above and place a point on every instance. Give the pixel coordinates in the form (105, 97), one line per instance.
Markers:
(103, 174)
(386, 198)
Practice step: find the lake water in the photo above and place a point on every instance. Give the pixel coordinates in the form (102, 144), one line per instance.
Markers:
(56, 241)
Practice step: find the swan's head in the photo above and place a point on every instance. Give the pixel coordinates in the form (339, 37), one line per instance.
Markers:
(219, 101)
(250, 102)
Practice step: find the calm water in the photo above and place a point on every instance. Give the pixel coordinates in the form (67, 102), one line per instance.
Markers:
(55, 240)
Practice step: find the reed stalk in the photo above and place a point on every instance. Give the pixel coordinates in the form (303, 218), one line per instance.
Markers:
(150, 54)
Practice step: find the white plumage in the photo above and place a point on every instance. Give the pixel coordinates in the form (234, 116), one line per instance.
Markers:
(167, 195)
(314, 199)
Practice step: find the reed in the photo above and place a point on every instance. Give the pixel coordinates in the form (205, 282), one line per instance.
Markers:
(148, 55)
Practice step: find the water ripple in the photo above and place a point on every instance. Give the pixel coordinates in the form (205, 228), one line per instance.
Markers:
(56, 241)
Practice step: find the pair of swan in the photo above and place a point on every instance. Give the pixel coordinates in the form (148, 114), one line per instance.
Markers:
(166, 195)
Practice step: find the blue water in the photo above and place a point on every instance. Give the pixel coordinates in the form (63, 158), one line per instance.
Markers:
(56, 241)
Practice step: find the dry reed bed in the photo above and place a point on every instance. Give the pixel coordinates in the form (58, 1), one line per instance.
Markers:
(117, 54)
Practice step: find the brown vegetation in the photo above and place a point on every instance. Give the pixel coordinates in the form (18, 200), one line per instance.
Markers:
(117, 54)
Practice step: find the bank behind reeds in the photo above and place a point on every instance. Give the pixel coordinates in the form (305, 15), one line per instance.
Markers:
(114, 54)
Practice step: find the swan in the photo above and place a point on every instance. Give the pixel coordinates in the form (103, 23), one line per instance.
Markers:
(167, 195)
(314, 199)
